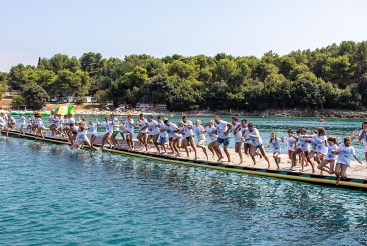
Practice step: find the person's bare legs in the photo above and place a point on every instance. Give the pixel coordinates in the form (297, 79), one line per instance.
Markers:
(262, 150)
(238, 149)
(201, 145)
(217, 150)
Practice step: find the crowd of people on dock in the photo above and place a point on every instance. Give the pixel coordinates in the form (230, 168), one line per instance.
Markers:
(164, 135)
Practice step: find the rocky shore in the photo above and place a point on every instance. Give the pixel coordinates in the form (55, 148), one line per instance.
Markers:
(325, 113)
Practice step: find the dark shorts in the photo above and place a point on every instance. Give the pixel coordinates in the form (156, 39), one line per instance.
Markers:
(188, 138)
(258, 146)
(224, 141)
(171, 139)
(162, 140)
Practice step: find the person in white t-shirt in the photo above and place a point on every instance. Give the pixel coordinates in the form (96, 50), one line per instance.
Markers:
(199, 132)
(320, 140)
(238, 139)
(344, 152)
(153, 133)
(143, 133)
(330, 158)
(163, 135)
(129, 131)
(256, 143)
(115, 131)
(52, 126)
(10, 122)
(247, 142)
(275, 142)
(187, 124)
(93, 128)
(22, 124)
(362, 136)
(291, 144)
(173, 133)
(107, 136)
(210, 130)
(222, 129)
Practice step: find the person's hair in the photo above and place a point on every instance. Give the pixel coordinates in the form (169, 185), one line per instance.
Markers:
(364, 123)
(211, 121)
(81, 127)
(303, 130)
(250, 124)
(141, 114)
(275, 136)
(290, 130)
(314, 131)
(244, 120)
(298, 130)
(321, 131)
(235, 119)
(159, 117)
(150, 116)
(165, 121)
(333, 139)
(184, 117)
(199, 121)
(180, 122)
(348, 141)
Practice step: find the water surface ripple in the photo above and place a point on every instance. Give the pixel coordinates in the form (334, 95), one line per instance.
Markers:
(50, 195)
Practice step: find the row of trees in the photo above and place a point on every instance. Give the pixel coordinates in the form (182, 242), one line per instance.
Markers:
(331, 77)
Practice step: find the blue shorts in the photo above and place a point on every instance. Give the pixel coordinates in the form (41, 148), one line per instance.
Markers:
(224, 141)
(162, 140)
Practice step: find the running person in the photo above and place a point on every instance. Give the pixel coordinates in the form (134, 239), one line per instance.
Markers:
(163, 135)
(129, 130)
(256, 143)
(222, 129)
(199, 132)
(344, 152)
(291, 146)
(173, 132)
(153, 132)
(247, 143)
(142, 135)
(275, 142)
(116, 130)
(107, 136)
(187, 124)
(93, 128)
(10, 122)
(330, 157)
(22, 124)
(362, 136)
(81, 138)
(238, 139)
(210, 130)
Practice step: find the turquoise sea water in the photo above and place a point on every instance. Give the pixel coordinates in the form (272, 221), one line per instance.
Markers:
(50, 195)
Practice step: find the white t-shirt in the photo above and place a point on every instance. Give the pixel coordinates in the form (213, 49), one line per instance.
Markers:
(143, 124)
(243, 130)
(115, 123)
(109, 126)
(238, 135)
(209, 131)
(320, 145)
(313, 143)
(171, 128)
(71, 121)
(303, 145)
(291, 142)
(275, 144)
(93, 129)
(188, 132)
(254, 141)
(2, 120)
(345, 153)
(198, 132)
(162, 126)
(364, 140)
(221, 129)
(128, 126)
(330, 156)
(182, 131)
(57, 122)
(152, 127)
(22, 120)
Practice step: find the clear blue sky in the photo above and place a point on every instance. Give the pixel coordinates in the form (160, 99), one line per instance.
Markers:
(115, 28)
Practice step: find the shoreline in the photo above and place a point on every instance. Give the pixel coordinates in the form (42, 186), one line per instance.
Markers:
(327, 113)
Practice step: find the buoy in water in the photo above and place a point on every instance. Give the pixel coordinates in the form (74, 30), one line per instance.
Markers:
(321, 120)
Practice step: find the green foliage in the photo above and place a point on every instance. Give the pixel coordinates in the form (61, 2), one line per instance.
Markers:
(330, 77)
(18, 101)
(80, 100)
(35, 96)
(3, 83)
